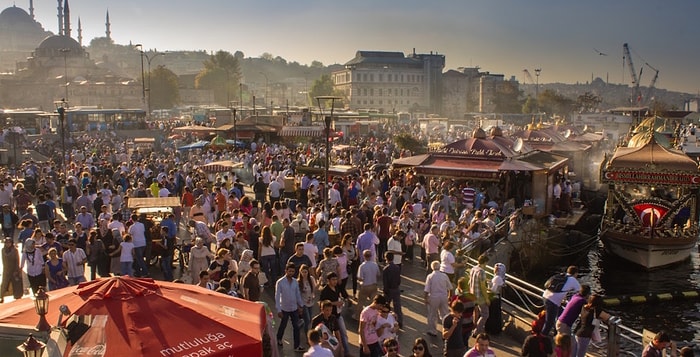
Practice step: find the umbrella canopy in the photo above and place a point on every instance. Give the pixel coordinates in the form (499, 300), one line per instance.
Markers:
(195, 145)
(221, 166)
(154, 318)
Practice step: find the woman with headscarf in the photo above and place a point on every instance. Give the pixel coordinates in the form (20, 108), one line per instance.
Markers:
(198, 259)
(33, 264)
(494, 324)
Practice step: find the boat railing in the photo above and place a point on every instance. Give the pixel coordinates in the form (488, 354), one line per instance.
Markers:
(658, 232)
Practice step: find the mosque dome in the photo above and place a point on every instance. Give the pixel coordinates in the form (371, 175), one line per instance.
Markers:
(14, 15)
(56, 46)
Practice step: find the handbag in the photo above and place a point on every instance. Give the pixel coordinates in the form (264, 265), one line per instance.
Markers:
(262, 278)
(595, 336)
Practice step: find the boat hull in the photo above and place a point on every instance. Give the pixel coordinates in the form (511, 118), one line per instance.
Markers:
(648, 253)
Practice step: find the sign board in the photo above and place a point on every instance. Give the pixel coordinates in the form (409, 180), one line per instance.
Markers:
(661, 178)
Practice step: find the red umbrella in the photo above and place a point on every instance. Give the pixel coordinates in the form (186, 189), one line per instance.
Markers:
(154, 318)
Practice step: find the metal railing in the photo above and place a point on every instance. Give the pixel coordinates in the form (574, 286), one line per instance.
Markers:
(529, 302)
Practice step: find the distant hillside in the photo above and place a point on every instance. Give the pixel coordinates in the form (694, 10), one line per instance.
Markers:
(613, 95)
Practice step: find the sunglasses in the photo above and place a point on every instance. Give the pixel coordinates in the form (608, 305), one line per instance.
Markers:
(418, 348)
(392, 349)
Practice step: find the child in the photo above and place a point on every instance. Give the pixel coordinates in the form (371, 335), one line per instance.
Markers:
(126, 255)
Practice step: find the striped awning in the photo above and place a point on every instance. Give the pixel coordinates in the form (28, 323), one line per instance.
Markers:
(221, 166)
(303, 131)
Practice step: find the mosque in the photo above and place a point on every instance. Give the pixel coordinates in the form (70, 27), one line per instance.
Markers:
(59, 67)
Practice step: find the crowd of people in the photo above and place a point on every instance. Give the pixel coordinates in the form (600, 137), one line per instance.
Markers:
(266, 235)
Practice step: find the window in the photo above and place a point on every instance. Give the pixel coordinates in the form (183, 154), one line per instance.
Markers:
(371, 77)
(381, 77)
(380, 92)
(371, 92)
(388, 77)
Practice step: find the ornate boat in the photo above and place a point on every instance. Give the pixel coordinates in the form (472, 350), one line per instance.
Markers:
(651, 215)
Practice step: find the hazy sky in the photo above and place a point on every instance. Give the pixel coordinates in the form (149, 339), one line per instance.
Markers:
(500, 36)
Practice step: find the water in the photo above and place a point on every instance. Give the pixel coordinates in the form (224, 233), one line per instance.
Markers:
(610, 276)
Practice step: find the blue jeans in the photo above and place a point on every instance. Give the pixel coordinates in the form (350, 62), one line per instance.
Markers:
(295, 326)
(284, 256)
(581, 346)
(269, 265)
(343, 334)
(166, 263)
(127, 268)
(552, 311)
(141, 269)
(306, 316)
(394, 296)
(375, 350)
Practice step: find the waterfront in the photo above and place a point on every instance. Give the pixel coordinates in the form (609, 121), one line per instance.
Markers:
(610, 276)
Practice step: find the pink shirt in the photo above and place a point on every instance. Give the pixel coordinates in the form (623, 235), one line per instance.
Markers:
(431, 243)
(369, 317)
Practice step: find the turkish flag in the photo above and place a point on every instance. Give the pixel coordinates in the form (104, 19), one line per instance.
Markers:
(650, 214)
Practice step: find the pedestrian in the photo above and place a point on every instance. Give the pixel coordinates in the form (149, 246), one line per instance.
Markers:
(420, 348)
(469, 302)
(289, 305)
(553, 299)
(96, 255)
(331, 292)
(495, 323)
(391, 347)
(74, 260)
(315, 348)
(125, 252)
(11, 272)
(437, 291)
(391, 279)
(369, 340)
(54, 271)
(479, 287)
(367, 275)
(572, 310)
(327, 320)
(454, 345)
(199, 255)
(250, 284)
(138, 235)
(537, 344)
(562, 345)
(307, 287)
(481, 347)
(33, 264)
(431, 243)
(591, 315)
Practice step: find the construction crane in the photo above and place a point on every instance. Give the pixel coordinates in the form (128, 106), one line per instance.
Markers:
(636, 79)
(650, 90)
(627, 56)
(529, 76)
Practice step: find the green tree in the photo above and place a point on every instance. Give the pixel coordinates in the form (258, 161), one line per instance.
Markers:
(552, 102)
(507, 98)
(221, 74)
(530, 105)
(324, 87)
(164, 91)
(408, 142)
(588, 102)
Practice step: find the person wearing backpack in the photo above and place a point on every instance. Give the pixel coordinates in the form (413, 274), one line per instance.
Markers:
(554, 294)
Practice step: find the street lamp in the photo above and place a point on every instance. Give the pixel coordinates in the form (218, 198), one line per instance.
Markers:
(41, 305)
(61, 106)
(266, 81)
(537, 88)
(327, 121)
(32, 347)
(143, 83)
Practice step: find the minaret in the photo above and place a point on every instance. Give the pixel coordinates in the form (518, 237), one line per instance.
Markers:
(80, 33)
(66, 19)
(108, 33)
(60, 18)
(31, 8)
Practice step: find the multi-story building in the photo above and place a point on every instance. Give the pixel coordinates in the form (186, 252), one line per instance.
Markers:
(467, 90)
(392, 82)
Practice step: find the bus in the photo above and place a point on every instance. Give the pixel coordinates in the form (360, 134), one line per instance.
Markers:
(32, 121)
(93, 119)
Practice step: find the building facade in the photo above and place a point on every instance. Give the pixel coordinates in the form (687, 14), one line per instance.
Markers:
(391, 82)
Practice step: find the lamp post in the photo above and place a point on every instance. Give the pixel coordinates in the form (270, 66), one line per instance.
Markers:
(61, 106)
(266, 82)
(41, 305)
(32, 347)
(144, 89)
(327, 122)
(537, 88)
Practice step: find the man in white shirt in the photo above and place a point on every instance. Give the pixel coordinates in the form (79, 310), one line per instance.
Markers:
(437, 288)
(393, 245)
(138, 234)
(553, 299)
(367, 275)
(74, 260)
(315, 348)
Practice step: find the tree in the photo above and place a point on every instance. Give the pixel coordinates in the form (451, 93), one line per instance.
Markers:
(316, 64)
(588, 102)
(507, 98)
(221, 74)
(408, 142)
(164, 91)
(530, 105)
(267, 56)
(322, 87)
(553, 103)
